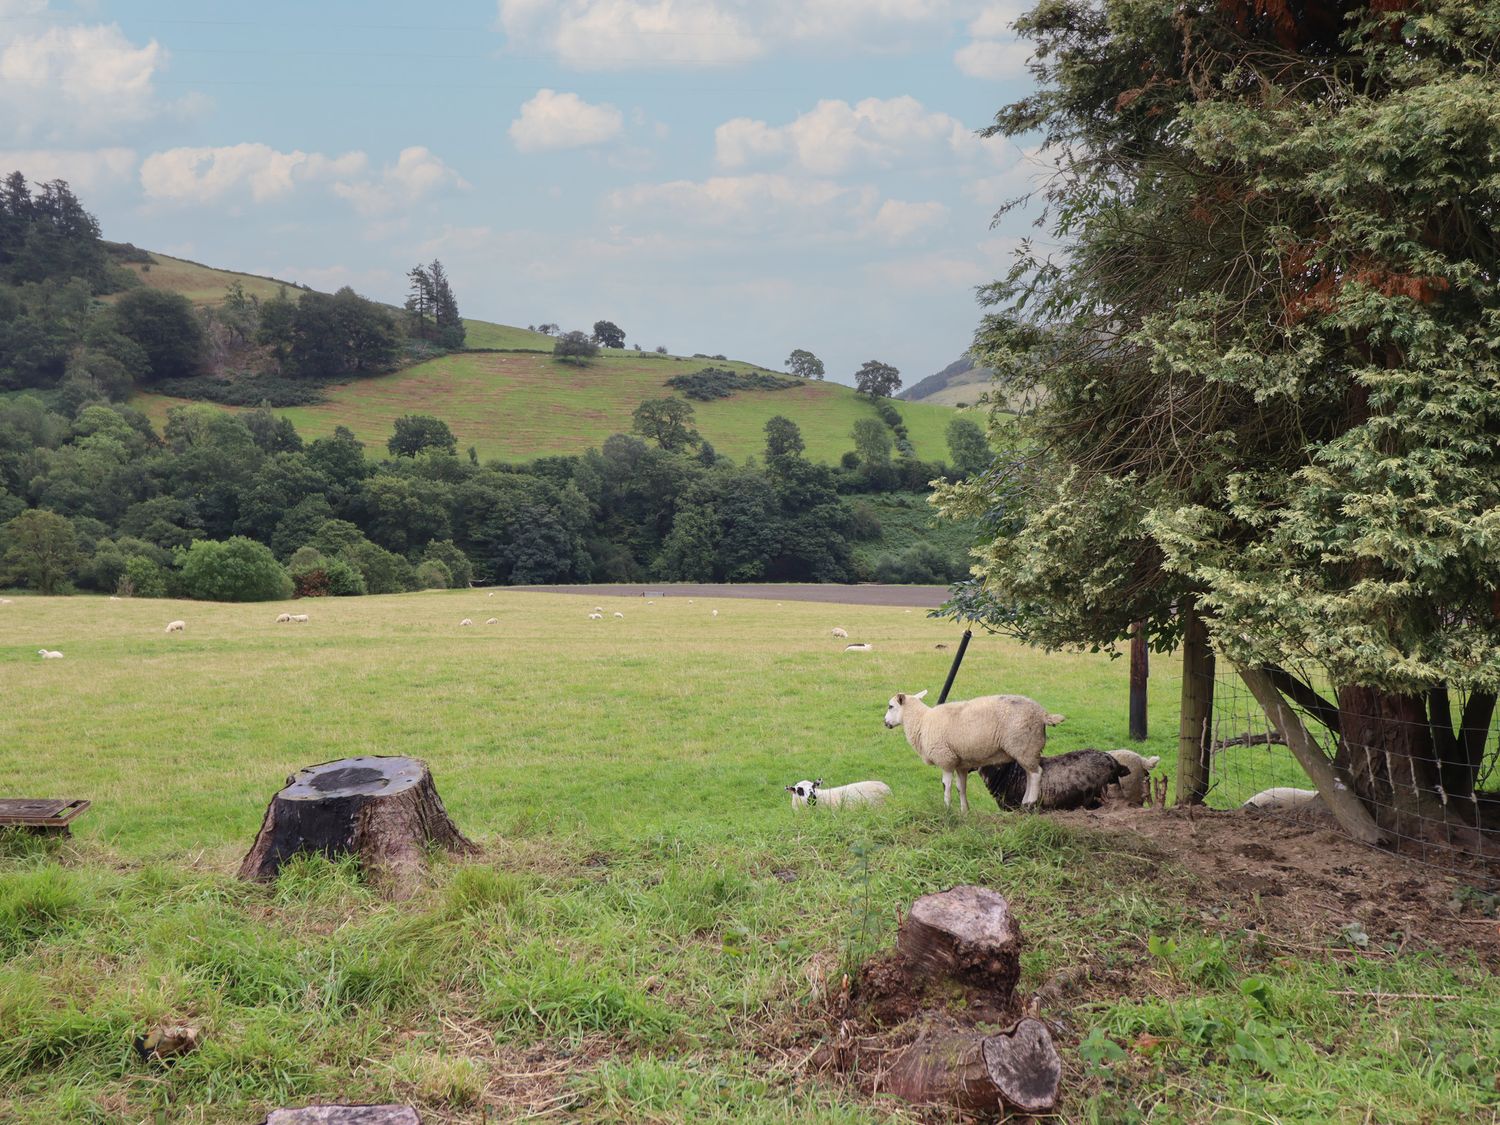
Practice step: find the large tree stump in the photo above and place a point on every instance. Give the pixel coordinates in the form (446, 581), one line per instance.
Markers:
(1018, 1068)
(345, 1115)
(967, 934)
(385, 810)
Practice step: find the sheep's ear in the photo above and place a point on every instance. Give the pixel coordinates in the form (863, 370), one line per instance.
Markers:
(1151, 762)
(790, 788)
(901, 697)
(817, 783)
(920, 694)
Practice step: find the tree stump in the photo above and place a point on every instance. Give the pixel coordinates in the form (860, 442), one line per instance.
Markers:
(1018, 1068)
(385, 810)
(345, 1115)
(967, 934)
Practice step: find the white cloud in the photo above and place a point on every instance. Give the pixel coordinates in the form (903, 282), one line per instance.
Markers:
(417, 173)
(551, 121)
(755, 204)
(86, 170)
(898, 220)
(76, 81)
(204, 175)
(835, 137)
(1027, 174)
(995, 52)
(994, 22)
(620, 34)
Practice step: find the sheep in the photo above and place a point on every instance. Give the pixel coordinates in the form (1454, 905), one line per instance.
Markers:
(47, 654)
(1133, 786)
(859, 648)
(283, 618)
(300, 617)
(491, 594)
(1075, 780)
(464, 622)
(960, 737)
(598, 609)
(176, 626)
(596, 617)
(1283, 799)
(492, 621)
(6, 601)
(844, 633)
(619, 615)
(714, 613)
(806, 793)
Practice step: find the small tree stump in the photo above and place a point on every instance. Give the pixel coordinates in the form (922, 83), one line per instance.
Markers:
(385, 810)
(967, 934)
(1018, 1068)
(345, 1115)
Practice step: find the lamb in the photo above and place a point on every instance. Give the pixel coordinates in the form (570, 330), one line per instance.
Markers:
(47, 654)
(620, 615)
(464, 622)
(1283, 799)
(596, 617)
(492, 621)
(841, 633)
(176, 626)
(299, 617)
(283, 618)
(960, 737)
(806, 793)
(1133, 785)
(859, 648)
(1075, 780)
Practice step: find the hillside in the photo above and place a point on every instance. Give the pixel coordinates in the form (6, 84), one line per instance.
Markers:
(518, 403)
(960, 383)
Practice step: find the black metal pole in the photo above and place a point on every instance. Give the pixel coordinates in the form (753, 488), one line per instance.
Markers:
(958, 658)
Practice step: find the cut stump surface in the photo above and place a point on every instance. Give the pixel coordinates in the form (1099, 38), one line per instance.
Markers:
(1019, 1068)
(385, 810)
(967, 934)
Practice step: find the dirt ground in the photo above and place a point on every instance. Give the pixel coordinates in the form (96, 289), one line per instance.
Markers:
(1299, 885)
(918, 597)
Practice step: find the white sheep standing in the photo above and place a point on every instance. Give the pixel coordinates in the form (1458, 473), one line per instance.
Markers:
(283, 618)
(300, 617)
(1132, 787)
(837, 632)
(806, 793)
(176, 626)
(48, 654)
(960, 737)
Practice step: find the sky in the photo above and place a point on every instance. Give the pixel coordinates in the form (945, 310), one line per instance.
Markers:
(721, 176)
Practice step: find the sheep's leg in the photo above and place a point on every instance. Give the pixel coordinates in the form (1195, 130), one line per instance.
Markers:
(1033, 786)
(963, 791)
(947, 789)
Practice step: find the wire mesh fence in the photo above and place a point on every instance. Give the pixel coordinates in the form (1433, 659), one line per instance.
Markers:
(1424, 770)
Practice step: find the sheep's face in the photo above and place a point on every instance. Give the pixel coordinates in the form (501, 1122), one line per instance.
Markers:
(893, 709)
(805, 791)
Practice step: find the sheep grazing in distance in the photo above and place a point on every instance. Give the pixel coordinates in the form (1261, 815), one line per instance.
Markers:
(941, 648)
(48, 654)
(596, 617)
(806, 793)
(493, 621)
(960, 737)
(299, 617)
(844, 633)
(598, 609)
(6, 601)
(1075, 780)
(283, 618)
(714, 613)
(491, 594)
(464, 622)
(620, 615)
(1132, 787)
(859, 648)
(176, 626)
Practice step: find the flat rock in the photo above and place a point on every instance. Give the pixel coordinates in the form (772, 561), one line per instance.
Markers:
(345, 1115)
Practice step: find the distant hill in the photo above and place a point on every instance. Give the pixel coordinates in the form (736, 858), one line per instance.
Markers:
(516, 402)
(959, 382)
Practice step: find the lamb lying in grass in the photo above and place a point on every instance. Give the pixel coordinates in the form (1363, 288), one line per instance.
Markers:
(1075, 780)
(960, 737)
(806, 793)
(49, 654)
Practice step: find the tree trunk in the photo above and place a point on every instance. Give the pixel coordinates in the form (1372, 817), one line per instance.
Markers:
(385, 810)
(1460, 753)
(1386, 745)
(1140, 671)
(1195, 735)
(966, 934)
(345, 1115)
(1018, 1068)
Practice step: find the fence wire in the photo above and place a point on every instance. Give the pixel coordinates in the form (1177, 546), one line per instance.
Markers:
(1454, 827)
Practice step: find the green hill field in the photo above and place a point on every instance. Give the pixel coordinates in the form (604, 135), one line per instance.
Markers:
(519, 403)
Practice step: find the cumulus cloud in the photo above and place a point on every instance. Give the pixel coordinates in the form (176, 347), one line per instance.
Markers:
(835, 137)
(759, 203)
(619, 34)
(70, 82)
(86, 170)
(899, 221)
(416, 174)
(994, 52)
(551, 121)
(205, 175)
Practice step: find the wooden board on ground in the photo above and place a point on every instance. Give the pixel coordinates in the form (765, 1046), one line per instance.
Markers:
(39, 812)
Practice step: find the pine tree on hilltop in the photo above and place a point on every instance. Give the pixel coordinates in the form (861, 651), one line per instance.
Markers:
(449, 324)
(420, 303)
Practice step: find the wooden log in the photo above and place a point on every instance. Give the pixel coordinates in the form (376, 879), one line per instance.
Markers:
(345, 1115)
(385, 810)
(1018, 1068)
(967, 934)
(1196, 730)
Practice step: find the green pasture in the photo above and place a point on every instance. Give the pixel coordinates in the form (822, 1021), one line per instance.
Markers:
(649, 933)
(519, 405)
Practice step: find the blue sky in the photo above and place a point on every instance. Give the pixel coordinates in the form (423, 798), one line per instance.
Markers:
(736, 176)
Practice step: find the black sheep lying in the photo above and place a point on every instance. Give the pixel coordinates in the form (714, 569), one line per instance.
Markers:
(1075, 780)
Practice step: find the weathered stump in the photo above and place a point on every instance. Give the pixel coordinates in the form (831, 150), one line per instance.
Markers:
(385, 810)
(966, 934)
(345, 1115)
(1018, 1068)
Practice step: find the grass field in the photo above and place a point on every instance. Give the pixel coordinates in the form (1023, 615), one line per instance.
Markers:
(643, 935)
(203, 285)
(516, 406)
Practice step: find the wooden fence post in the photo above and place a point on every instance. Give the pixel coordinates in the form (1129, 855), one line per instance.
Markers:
(1140, 671)
(1195, 734)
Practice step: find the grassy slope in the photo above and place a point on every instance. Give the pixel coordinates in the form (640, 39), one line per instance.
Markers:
(519, 406)
(642, 937)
